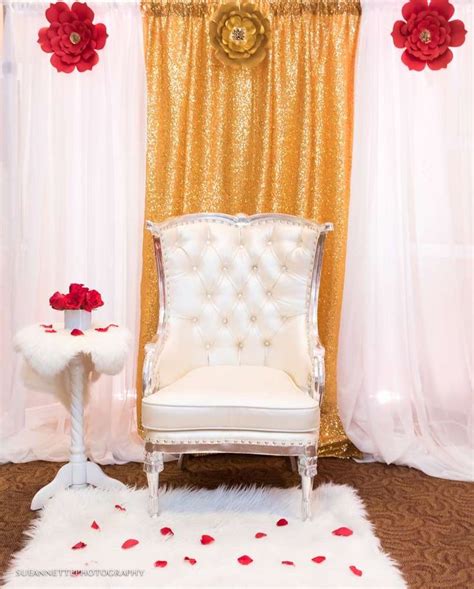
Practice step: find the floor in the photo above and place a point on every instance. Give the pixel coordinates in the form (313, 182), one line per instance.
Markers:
(426, 524)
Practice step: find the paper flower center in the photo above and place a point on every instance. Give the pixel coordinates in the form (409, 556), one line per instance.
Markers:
(425, 36)
(238, 34)
(74, 38)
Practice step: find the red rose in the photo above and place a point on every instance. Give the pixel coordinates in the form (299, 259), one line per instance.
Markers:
(58, 301)
(428, 34)
(71, 37)
(92, 300)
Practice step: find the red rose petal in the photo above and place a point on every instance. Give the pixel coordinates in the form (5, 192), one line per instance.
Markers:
(50, 326)
(318, 559)
(244, 559)
(205, 539)
(161, 564)
(75, 573)
(355, 570)
(130, 543)
(104, 329)
(95, 525)
(343, 532)
(167, 532)
(260, 535)
(192, 561)
(50, 331)
(78, 546)
(288, 562)
(282, 522)
(77, 332)
(120, 508)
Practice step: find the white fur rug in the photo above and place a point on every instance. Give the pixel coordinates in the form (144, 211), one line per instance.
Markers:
(281, 557)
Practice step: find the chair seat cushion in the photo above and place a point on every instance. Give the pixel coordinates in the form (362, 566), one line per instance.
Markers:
(231, 397)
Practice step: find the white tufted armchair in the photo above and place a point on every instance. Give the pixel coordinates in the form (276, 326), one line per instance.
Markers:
(237, 365)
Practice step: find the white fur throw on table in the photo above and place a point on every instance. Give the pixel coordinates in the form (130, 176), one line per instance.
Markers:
(48, 352)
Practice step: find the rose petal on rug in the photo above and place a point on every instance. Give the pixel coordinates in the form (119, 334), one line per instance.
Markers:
(160, 564)
(356, 571)
(260, 535)
(205, 539)
(120, 508)
(130, 543)
(95, 525)
(231, 515)
(343, 532)
(288, 563)
(166, 532)
(318, 559)
(245, 559)
(78, 546)
(282, 522)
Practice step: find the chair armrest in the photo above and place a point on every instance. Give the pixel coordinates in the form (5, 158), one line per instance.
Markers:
(148, 363)
(319, 353)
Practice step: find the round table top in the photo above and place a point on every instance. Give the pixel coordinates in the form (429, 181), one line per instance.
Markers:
(49, 348)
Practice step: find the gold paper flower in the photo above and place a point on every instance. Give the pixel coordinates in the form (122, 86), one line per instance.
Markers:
(240, 34)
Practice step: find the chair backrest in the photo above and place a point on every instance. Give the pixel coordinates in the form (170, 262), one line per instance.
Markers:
(238, 290)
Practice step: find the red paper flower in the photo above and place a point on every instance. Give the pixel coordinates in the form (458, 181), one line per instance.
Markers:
(244, 559)
(342, 532)
(428, 34)
(161, 564)
(356, 571)
(71, 37)
(318, 559)
(192, 561)
(92, 300)
(130, 543)
(282, 522)
(205, 539)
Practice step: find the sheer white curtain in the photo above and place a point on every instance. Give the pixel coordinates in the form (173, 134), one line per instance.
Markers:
(72, 179)
(405, 362)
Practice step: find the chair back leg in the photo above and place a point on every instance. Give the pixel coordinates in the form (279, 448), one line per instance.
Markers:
(153, 465)
(307, 468)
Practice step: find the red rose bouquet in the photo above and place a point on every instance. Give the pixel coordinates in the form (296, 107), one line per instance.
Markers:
(79, 298)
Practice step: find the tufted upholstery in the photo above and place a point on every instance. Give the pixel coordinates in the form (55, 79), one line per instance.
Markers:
(236, 294)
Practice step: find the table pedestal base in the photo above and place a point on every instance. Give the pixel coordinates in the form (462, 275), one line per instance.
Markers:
(67, 476)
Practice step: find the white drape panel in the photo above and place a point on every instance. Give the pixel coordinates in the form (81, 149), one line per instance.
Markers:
(72, 165)
(405, 361)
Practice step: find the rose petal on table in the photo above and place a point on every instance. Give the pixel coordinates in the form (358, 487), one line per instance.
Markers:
(104, 329)
(50, 331)
(166, 532)
(260, 535)
(288, 562)
(205, 539)
(160, 564)
(192, 561)
(120, 508)
(95, 525)
(342, 532)
(355, 570)
(282, 522)
(78, 546)
(318, 559)
(77, 332)
(245, 559)
(130, 543)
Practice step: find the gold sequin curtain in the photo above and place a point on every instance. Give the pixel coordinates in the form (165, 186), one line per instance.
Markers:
(274, 138)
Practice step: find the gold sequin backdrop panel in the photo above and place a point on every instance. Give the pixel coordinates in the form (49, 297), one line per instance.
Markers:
(274, 138)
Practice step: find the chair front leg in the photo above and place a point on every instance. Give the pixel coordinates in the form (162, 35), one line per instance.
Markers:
(153, 465)
(307, 468)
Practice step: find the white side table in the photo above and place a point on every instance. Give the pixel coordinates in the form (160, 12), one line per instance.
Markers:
(76, 357)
